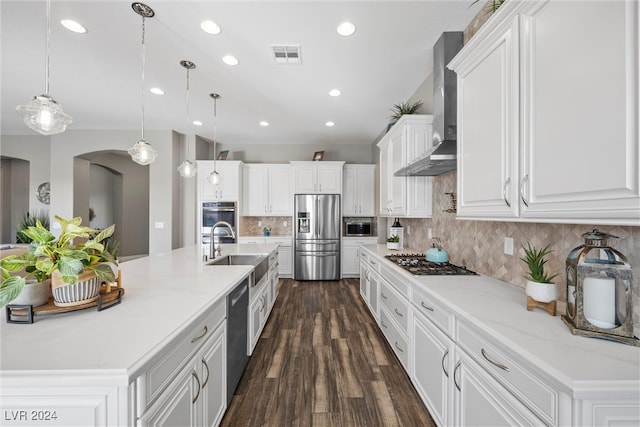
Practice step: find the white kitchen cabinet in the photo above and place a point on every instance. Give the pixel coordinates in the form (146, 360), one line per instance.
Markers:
(544, 135)
(358, 194)
(317, 177)
(285, 254)
(369, 283)
(404, 196)
(213, 370)
(229, 187)
(267, 190)
(350, 254)
(258, 312)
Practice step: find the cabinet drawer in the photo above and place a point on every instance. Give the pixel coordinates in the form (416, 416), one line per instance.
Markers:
(433, 311)
(373, 262)
(396, 280)
(525, 385)
(397, 341)
(394, 303)
(172, 358)
(273, 257)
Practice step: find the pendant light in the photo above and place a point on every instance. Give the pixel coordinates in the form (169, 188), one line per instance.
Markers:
(214, 177)
(187, 169)
(142, 152)
(43, 114)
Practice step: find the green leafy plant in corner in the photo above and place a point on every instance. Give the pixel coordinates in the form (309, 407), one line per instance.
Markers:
(394, 238)
(403, 108)
(47, 254)
(534, 258)
(30, 219)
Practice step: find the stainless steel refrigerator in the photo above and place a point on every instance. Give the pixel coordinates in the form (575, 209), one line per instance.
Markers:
(317, 236)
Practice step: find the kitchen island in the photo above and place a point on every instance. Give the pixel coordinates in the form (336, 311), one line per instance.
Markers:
(110, 367)
(477, 356)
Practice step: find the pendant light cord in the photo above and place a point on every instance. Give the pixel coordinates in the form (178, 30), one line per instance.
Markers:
(188, 111)
(215, 131)
(142, 85)
(46, 66)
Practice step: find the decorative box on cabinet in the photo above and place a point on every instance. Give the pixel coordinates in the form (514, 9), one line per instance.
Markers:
(358, 193)
(317, 177)
(530, 132)
(409, 138)
(267, 190)
(229, 187)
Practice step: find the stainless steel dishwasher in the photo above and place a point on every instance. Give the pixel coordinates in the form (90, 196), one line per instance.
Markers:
(237, 315)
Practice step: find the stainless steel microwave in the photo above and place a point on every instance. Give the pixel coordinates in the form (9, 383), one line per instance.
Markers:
(358, 228)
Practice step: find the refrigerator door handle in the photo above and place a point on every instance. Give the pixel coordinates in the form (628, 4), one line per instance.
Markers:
(317, 254)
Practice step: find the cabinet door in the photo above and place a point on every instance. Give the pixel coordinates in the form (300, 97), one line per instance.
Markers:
(214, 377)
(364, 279)
(385, 178)
(488, 128)
(433, 365)
(177, 405)
(230, 172)
(207, 191)
(419, 139)
(350, 260)
(280, 202)
(350, 192)
(398, 183)
(374, 285)
(285, 261)
(481, 401)
(304, 179)
(366, 192)
(580, 157)
(255, 191)
(419, 196)
(329, 178)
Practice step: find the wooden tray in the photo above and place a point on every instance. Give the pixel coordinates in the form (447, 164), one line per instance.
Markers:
(110, 295)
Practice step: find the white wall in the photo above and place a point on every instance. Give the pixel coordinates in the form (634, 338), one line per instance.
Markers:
(101, 198)
(283, 153)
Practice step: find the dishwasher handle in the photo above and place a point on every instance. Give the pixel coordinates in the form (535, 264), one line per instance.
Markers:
(238, 294)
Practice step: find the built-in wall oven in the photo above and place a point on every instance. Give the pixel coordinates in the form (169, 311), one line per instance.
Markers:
(213, 212)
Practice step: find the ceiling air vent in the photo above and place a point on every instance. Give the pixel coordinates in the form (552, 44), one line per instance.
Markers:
(286, 54)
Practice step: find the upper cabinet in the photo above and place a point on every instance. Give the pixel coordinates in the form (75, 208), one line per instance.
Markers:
(317, 177)
(548, 118)
(267, 190)
(229, 187)
(358, 192)
(405, 196)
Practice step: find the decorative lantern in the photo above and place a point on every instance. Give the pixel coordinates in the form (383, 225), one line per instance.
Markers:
(599, 291)
(397, 230)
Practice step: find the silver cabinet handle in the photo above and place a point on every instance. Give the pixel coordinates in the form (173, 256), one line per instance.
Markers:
(444, 356)
(383, 295)
(373, 262)
(398, 313)
(426, 307)
(199, 387)
(194, 339)
(524, 180)
(270, 209)
(504, 191)
(454, 375)
(204, 362)
(383, 325)
(496, 364)
(398, 347)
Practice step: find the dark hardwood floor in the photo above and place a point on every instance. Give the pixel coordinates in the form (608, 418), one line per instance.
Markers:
(322, 361)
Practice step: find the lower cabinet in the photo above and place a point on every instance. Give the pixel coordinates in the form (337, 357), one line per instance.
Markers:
(197, 396)
(369, 285)
(350, 254)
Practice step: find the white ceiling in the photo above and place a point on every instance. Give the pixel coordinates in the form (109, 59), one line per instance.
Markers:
(96, 76)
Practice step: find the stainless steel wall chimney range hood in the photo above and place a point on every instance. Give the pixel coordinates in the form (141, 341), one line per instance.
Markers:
(442, 157)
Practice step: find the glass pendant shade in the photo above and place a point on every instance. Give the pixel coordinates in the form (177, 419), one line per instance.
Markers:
(142, 153)
(214, 178)
(187, 169)
(44, 115)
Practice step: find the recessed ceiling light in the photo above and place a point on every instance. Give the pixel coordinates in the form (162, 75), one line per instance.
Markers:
(329, 124)
(264, 123)
(230, 60)
(346, 29)
(335, 92)
(210, 27)
(74, 26)
(156, 90)
(197, 122)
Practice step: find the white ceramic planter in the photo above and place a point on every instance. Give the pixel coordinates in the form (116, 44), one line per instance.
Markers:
(541, 292)
(84, 291)
(33, 293)
(393, 245)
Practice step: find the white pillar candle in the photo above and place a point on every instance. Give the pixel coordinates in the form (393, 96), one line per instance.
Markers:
(599, 301)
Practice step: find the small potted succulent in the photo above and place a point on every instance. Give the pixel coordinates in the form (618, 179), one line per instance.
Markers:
(539, 285)
(266, 230)
(393, 242)
(76, 269)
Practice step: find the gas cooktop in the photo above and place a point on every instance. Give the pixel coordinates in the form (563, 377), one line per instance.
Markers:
(416, 264)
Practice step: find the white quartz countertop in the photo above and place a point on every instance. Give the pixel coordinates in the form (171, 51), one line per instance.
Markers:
(163, 294)
(499, 309)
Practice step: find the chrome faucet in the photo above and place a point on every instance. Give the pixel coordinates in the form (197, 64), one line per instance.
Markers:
(213, 250)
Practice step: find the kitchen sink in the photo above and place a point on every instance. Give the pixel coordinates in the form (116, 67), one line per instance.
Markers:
(259, 262)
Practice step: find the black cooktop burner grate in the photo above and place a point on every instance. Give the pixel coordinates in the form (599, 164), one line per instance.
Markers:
(418, 265)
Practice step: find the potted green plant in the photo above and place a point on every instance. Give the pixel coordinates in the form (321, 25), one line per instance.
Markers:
(266, 230)
(30, 219)
(76, 268)
(539, 285)
(401, 109)
(393, 242)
